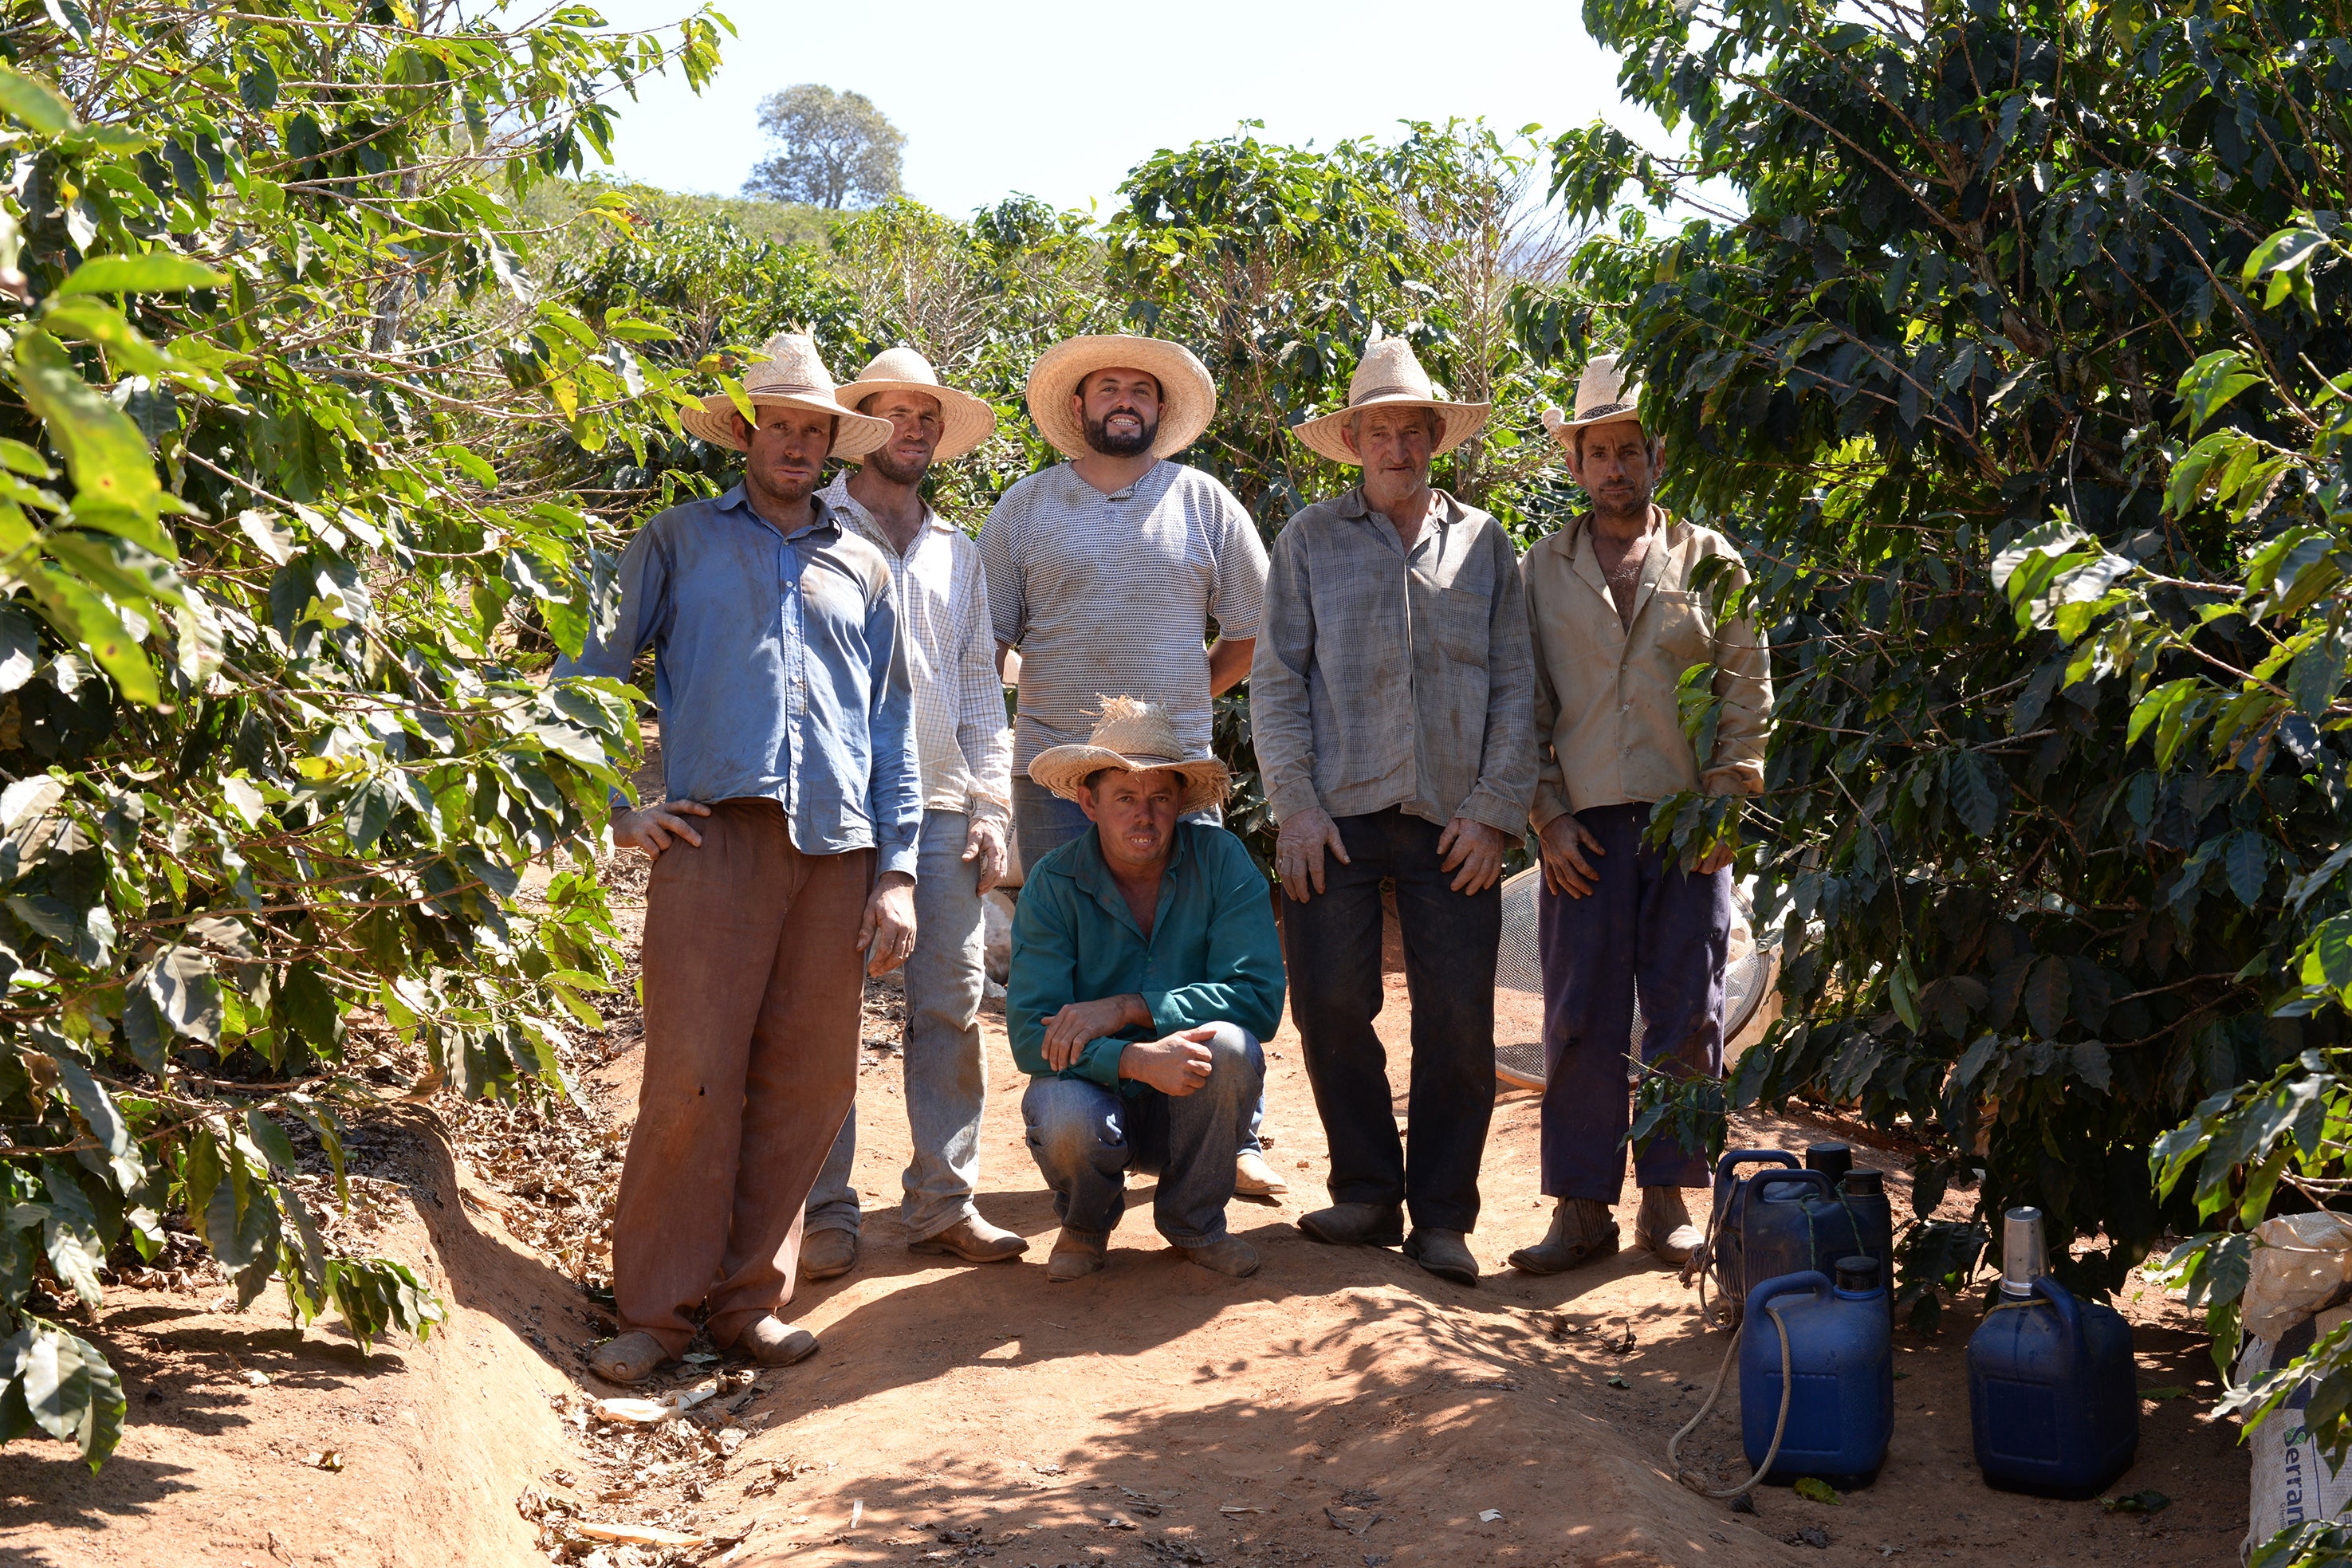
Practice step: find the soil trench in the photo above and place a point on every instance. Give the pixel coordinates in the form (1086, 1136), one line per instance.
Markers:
(1342, 1407)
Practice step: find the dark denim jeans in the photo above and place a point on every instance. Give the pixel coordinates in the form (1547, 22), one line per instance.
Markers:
(1648, 923)
(1331, 944)
(1043, 823)
(1087, 1138)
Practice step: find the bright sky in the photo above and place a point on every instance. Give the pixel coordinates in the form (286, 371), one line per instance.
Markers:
(1058, 100)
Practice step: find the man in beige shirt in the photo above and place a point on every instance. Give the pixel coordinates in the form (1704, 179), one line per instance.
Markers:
(1623, 603)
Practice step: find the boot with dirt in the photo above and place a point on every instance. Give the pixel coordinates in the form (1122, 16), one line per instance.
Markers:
(1075, 1255)
(1582, 1229)
(1665, 1227)
(627, 1358)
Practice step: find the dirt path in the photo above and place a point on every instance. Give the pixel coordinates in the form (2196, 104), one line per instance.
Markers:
(1339, 1409)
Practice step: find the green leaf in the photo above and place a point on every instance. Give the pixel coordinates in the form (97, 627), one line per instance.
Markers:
(1977, 790)
(1813, 1488)
(103, 450)
(186, 993)
(35, 103)
(2248, 861)
(72, 1392)
(2048, 990)
(2147, 1501)
(157, 272)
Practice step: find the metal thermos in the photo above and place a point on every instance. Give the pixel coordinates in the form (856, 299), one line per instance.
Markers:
(2024, 1259)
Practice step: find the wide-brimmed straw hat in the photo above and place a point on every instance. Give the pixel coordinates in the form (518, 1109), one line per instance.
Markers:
(969, 421)
(1603, 397)
(1188, 398)
(1135, 736)
(792, 376)
(1390, 376)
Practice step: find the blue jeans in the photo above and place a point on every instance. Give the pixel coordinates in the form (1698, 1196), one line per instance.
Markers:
(1087, 1138)
(946, 1071)
(1331, 947)
(1648, 925)
(1043, 822)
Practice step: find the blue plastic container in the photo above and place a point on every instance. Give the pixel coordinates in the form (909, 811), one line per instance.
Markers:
(1788, 1220)
(2052, 1398)
(1842, 1375)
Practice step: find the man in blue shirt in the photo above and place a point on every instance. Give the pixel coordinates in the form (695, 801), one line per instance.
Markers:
(1145, 971)
(782, 850)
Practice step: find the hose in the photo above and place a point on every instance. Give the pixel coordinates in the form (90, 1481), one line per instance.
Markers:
(1780, 1426)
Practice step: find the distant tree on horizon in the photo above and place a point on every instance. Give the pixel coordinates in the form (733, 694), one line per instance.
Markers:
(834, 148)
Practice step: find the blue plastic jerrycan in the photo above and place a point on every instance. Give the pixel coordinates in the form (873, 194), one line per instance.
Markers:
(2053, 1396)
(1786, 1221)
(1841, 1357)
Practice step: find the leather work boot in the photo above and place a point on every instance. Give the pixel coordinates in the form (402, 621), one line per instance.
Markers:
(1225, 1255)
(1664, 1226)
(628, 1358)
(772, 1341)
(1355, 1225)
(1075, 1255)
(828, 1254)
(1445, 1253)
(1252, 1177)
(974, 1240)
(1582, 1229)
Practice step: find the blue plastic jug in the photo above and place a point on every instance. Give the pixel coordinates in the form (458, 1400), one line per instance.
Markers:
(1840, 1402)
(1788, 1220)
(2052, 1398)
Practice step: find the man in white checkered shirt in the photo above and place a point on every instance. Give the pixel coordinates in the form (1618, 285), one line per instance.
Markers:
(964, 753)
(1106, 572)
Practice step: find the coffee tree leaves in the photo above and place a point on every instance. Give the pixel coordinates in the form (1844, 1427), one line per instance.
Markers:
(69, 1389)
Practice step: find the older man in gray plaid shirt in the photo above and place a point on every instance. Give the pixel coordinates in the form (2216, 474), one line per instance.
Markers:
(1392, 700)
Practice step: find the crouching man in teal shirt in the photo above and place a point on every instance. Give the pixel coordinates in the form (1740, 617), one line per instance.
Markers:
(1145, 971)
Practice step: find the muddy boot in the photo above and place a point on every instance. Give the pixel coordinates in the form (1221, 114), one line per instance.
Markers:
(772, 1341)
(828, 1254)
(1075, 1255)
(974, 1240)
(1226, 1255)
(1445, 1253)
(1252, 1177)
(1582, 1229)
(630, 1358)
(1664, 1226)
(1355, 1225)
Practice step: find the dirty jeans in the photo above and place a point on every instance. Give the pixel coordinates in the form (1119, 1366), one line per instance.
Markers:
(1043, 821)
(1650, 924)
(752, 993)
(1331, 947)
(947, 1073)
(1087, 1138)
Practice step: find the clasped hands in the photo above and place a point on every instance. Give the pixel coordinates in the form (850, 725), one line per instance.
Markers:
(886, 932)
(1176, 1065)
(1471, 850)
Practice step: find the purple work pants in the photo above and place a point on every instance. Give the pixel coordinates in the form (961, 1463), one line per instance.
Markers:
(1648, 923)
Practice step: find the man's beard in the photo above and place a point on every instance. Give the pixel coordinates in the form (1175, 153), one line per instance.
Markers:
(885, 463)
(1099, 438)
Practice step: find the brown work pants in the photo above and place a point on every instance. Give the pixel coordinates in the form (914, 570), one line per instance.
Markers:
(752, 978)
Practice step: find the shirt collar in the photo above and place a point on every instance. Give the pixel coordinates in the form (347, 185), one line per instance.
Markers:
(836, 495)
(1092, 872)
(1354, 506)
(823, 520)
(1071, 468)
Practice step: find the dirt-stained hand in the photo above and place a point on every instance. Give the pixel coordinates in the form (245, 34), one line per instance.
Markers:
(1175, 1066)
(1473, 852)
(651, 827)
(1299, 851)
(984, 841)
(1068, 1030)
(1565, 840)
(888, 927)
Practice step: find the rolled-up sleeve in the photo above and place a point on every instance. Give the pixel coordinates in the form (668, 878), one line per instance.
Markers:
(1282, 729)
(1507, 764)
(894, 777)
(1743, 681)
(644, 576)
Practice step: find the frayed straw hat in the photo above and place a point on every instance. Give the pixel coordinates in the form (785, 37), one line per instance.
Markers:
(1136, 736)
(1603, 397)
(792, 376)
(1188, 398)
(1390, 376)
(969, 421)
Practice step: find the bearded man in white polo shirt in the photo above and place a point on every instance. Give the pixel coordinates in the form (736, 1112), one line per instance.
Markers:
(963, 753)
(1107, 574)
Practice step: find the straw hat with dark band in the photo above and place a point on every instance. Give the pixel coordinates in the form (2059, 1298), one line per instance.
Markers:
(1135, 737)
(969, 420)
(1391, 377)
(1187, 396)
(792, 376)
(1603, 397)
